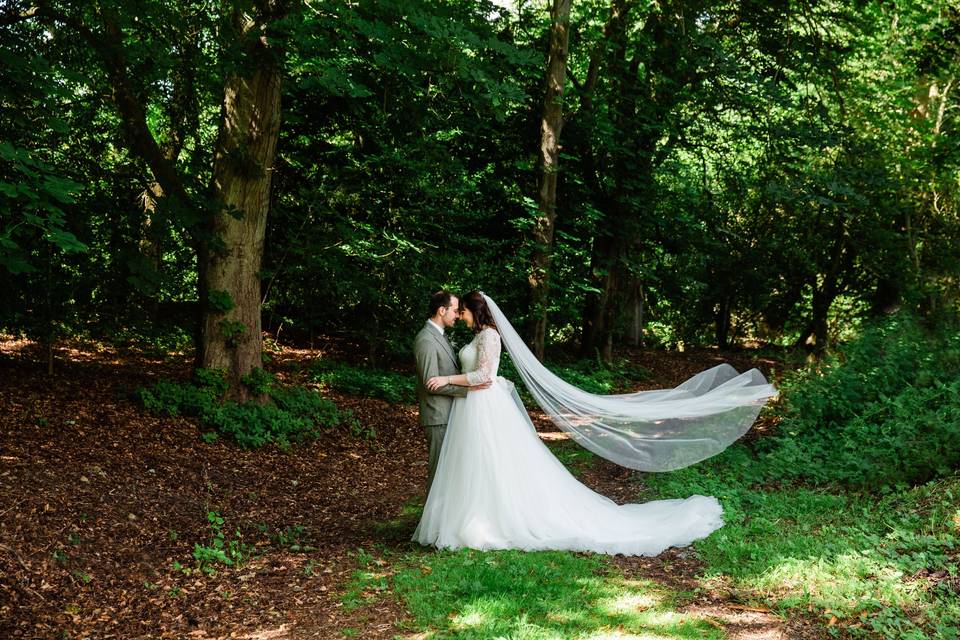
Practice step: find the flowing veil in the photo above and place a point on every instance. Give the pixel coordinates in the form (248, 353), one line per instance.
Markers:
(658, 430)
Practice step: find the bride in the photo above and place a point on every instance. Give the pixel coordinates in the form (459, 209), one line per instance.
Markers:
(497, 486)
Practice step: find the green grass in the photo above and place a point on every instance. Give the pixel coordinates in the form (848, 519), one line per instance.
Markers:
(864, 559)
(573, 456)
(524, 596)
(860, 557)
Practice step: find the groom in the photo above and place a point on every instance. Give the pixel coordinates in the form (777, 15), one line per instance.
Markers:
(436, 357)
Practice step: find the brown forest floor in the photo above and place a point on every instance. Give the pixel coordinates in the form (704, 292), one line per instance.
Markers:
(99, 499)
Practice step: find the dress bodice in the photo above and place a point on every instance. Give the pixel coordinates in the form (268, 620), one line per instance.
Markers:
(480, 358)
(468, 356)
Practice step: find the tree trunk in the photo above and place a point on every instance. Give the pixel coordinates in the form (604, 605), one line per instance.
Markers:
(601, 272)
(636, 106)
(550, 128)
(602, 249)
(821, 307)
(636, 336)
(243, 165)
(825, 292)
(722, 323)
(230, 245)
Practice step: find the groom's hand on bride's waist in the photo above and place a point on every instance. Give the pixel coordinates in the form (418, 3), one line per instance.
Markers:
(481, 386)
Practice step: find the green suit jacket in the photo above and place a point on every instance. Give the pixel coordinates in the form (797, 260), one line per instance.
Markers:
(435, 357)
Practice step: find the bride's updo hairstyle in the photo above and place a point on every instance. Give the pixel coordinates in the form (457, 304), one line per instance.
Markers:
(478, 307)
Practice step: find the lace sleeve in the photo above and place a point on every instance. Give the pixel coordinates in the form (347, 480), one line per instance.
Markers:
(488, 357)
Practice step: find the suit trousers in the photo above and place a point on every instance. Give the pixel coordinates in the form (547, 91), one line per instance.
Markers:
(435, 434)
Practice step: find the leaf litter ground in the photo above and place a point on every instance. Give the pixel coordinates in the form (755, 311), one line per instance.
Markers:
(102, 504)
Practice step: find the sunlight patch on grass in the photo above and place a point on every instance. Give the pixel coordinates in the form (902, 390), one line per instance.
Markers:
(526, 596)
(619, 635)
(630, 602)
(473, 618)
(847, 582)
(860, 559)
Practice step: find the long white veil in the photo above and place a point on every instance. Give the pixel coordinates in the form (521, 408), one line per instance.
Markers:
(658, 430)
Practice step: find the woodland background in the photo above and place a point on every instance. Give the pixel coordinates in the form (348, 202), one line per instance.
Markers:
(767, 171)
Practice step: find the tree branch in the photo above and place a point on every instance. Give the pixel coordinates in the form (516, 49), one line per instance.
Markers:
(108, 46)
(14, 15)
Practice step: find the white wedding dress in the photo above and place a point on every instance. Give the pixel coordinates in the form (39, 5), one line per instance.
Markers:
(497, 486)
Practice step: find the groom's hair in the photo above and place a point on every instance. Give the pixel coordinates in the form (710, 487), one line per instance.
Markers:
(439, 299)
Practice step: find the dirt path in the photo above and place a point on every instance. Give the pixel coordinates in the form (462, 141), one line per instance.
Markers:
(100, 504)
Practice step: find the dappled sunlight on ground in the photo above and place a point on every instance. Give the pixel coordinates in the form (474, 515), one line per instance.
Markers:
(745, 624)
(536, 595)
(826, 581)
(283, 631)
(630, 602)
(620, 635)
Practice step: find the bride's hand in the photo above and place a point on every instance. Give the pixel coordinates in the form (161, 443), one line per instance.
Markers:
(436, 382)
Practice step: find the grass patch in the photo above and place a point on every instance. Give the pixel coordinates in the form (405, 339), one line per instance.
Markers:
(399, 529)
(884, 565)
(574, 457)
(524, 596)
(852, 510)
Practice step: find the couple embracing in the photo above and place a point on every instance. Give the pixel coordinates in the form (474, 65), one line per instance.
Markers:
(493, 484)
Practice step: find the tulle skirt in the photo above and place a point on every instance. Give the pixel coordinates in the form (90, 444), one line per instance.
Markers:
(497, 486)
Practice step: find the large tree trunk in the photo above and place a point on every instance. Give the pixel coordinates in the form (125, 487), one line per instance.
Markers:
(826, 288)
(243, 165)
(230, 246)
(643, 103)
(610, 281)
(601, 267)
(602, 275)
(550, 128)
(722, 322)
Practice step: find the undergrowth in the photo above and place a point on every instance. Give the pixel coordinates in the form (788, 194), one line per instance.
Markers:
(293, 414)
(884, 410)
(364, 381)
(852, 510)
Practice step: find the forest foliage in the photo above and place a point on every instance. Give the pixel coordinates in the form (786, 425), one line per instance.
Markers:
(728, 171)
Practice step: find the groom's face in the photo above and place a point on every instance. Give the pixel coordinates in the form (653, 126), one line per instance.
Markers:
(450, 314)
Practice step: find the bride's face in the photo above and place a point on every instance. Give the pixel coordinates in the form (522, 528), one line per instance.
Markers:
(466, 316)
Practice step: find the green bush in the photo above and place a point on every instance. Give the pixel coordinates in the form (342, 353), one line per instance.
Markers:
(222, 549)
(293, 415)
(596, 376)
(259, 381)
(884, 410)
(174, 399)
(361, 381)
(156, 339)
